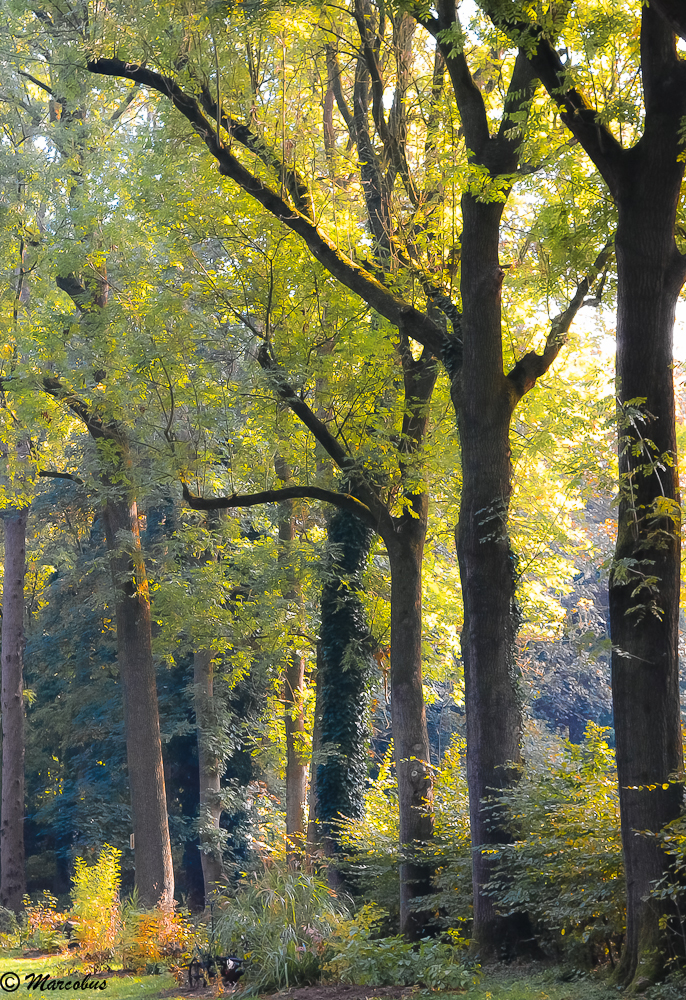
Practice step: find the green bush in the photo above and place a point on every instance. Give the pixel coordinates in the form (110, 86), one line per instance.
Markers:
(360, 956)
(280, 922)
(450, 852)
(371, 844)
(565, 866)
(95, 904)
(9, 930)
(670, 890)
(41, 927)
(370, 859)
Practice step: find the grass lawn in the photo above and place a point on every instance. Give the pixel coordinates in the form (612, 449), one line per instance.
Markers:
(64, 967)
(507, 983)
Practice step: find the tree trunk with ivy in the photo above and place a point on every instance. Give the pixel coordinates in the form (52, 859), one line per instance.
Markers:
(343, 678)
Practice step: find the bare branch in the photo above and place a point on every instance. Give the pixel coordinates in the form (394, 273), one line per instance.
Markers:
(528, 369)
(345, 500)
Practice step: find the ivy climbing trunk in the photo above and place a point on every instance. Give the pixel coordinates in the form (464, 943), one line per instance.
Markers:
(153, 860)
(12, 872)
(343, 672)
(209, 775)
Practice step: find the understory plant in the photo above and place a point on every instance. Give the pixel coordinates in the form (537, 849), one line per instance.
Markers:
(41, 928)
(564, 867)
(371, 844)
(280, 921)
(96, 906)
(362, 956)
(670, 891)
(151, 938)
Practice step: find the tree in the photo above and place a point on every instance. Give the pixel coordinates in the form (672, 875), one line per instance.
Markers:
(404, 535)
(644, 180)
(13, 883)
(405, 284)
(59, 105)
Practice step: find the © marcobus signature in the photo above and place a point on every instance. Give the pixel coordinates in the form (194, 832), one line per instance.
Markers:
(10, 982)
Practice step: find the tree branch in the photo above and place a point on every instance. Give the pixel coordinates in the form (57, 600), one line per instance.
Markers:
(295, 185)
(528, 369)
(469, 99)
(581, 119)
(51, 474)
(395, 310)
(97, 428)
(38, 83)
(345, 500)
(674, 13)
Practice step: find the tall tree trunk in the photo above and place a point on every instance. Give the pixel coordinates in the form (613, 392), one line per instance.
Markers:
(408, 717)
(644, 590)
(12, 871)
(153, 860)
(486, 561)
(343, 671)
(296, 766)
(293, 692)
(208, 772)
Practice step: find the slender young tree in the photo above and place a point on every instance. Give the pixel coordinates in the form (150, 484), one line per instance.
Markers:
(293, 691)
(12, 874)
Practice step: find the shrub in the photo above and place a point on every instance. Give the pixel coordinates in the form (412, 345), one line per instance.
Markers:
(565, 867)
(43, 928)
(150, 938)
(360, 956)
(370, 858)
(95, 904)
(450, 852)
(9, 930)
(371, 844)
(279, 921)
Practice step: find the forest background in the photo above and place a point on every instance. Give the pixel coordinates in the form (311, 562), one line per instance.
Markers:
(244, 410)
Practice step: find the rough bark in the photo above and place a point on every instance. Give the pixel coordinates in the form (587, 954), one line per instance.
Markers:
(293, 691)
(486, 561)
(153, 860)
(12, 871)
(645, 182)
(408, 717)
(645, 663)
(208, 773)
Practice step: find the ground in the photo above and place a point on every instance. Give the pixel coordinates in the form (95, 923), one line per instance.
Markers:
(526, 982)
